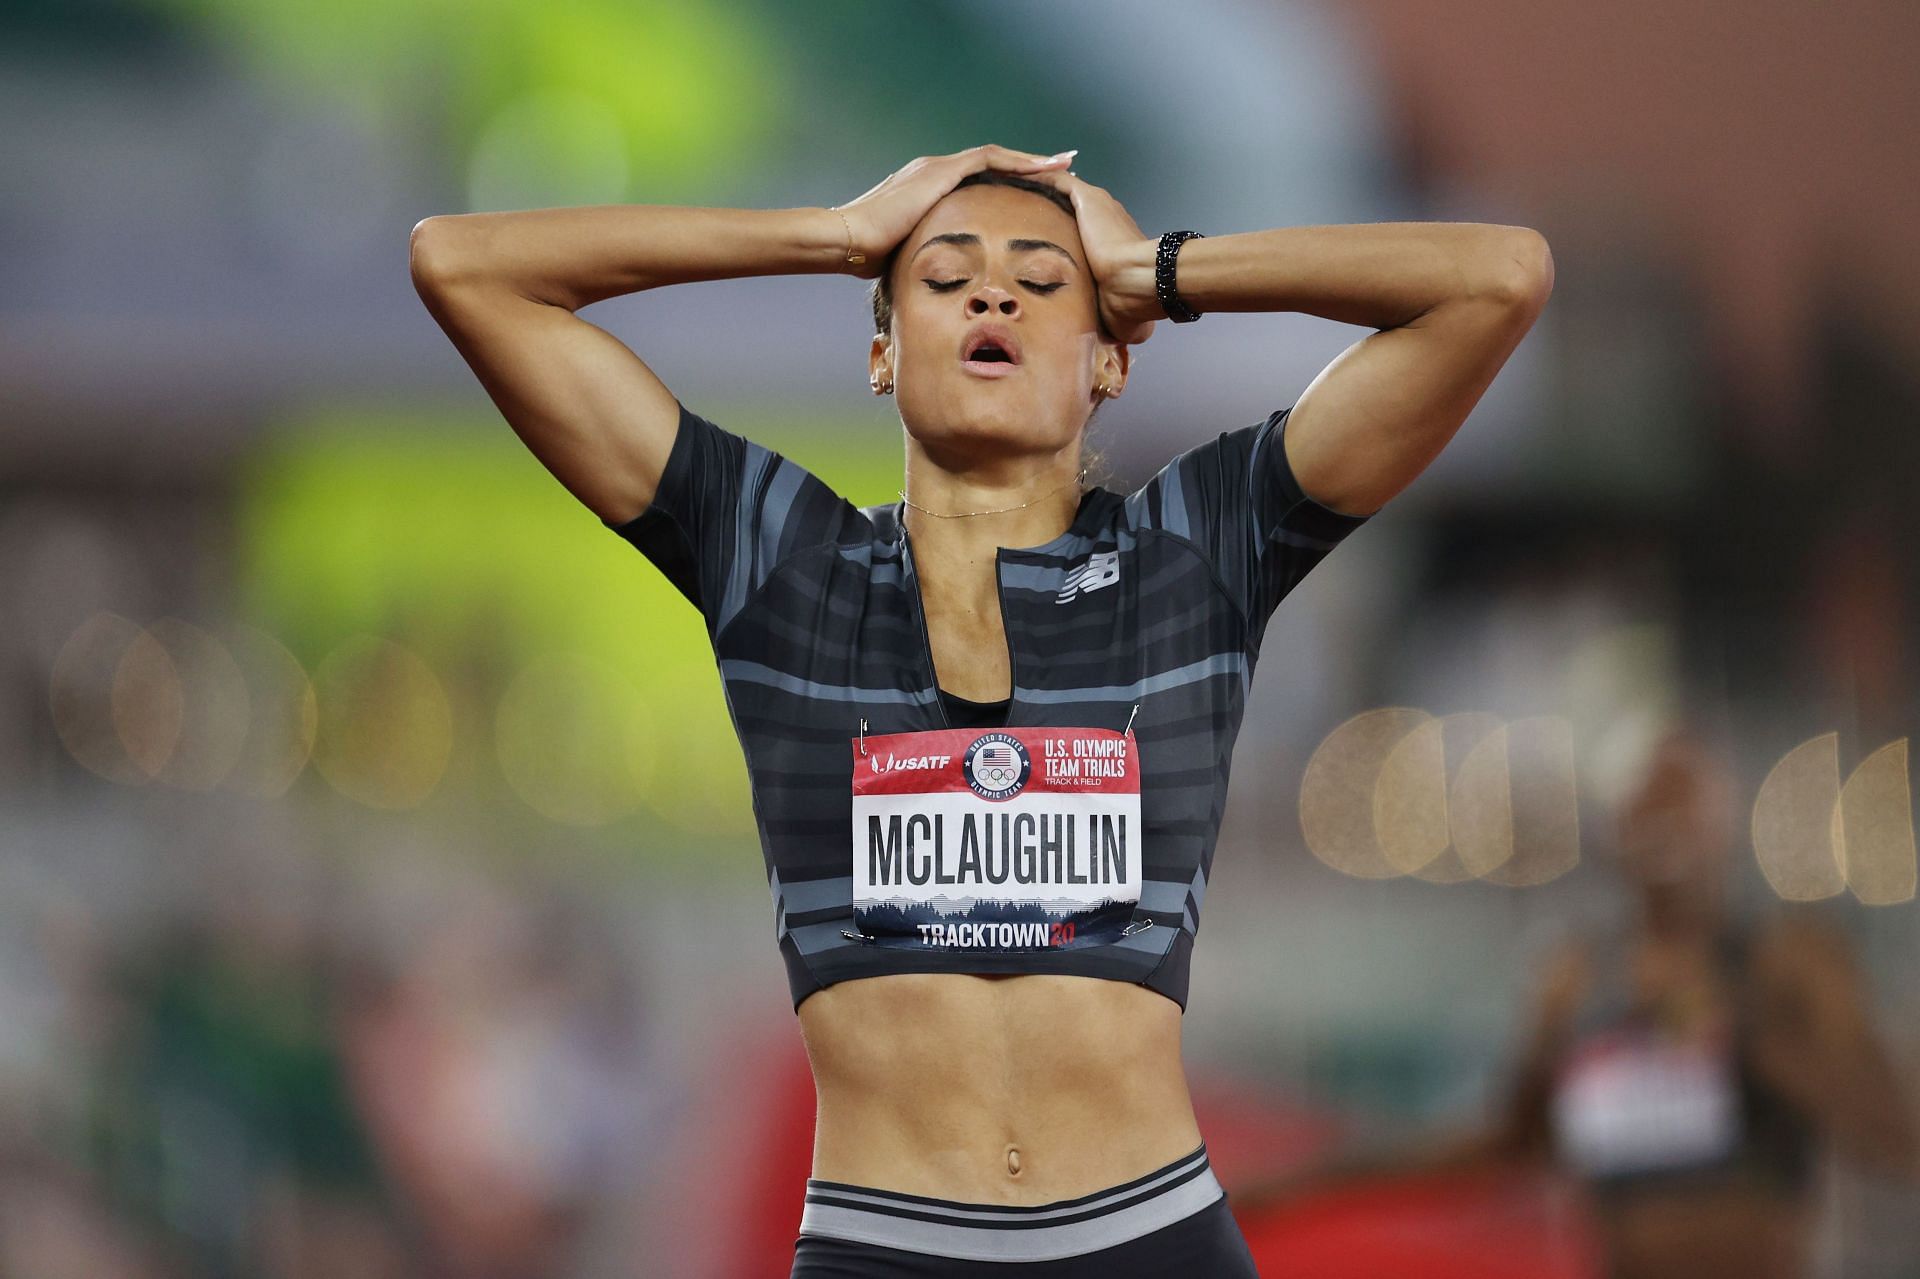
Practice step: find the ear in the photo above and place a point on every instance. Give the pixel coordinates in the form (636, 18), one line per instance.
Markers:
(1114, 360)
(880, 358)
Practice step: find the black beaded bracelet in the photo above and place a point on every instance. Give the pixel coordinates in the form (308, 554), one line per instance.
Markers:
(1163, 262)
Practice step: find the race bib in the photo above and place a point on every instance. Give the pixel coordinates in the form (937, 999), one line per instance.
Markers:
(1015, 839)
(1629, 1102)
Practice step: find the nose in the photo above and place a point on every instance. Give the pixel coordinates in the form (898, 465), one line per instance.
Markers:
(991, 297)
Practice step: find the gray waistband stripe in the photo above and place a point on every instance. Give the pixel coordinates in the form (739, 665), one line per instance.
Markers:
(995, 1232)
(1016, 1214)
(991, 1221)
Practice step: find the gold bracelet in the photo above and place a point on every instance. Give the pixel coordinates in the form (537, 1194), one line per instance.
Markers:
(853, 259)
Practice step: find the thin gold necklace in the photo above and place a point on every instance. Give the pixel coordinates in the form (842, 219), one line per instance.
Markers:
(961, 515)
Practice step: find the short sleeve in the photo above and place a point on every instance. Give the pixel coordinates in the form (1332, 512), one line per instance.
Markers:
(1235, 498)
(726, 513)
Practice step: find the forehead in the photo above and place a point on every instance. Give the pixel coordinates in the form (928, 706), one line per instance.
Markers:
(996, 215)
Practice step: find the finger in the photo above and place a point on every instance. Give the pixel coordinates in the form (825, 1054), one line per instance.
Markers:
(1058, 179)
(1000, 157)
(1007, 155)
(989, 156)
(1058, 163)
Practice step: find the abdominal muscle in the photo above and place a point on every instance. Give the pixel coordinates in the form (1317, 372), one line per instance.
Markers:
(1003, 1089)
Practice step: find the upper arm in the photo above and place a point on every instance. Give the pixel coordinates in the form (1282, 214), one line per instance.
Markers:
(1382, 410)
(1237, 500)
(583, 403)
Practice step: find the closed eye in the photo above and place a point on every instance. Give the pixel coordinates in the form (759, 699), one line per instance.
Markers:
(948, 286)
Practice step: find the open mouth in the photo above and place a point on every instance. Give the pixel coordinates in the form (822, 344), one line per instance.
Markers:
(989, 367)
(990, 349)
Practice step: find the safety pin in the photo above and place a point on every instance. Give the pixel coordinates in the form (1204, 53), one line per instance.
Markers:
(850, 935)
(1137, 926)
(1130, 715)
(863, 735)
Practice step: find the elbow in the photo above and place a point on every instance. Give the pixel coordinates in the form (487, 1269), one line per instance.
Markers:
(432, 257)
(1519, 270)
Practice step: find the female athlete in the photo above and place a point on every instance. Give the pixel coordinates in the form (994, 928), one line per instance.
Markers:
(1687, 1067)
(989, 726)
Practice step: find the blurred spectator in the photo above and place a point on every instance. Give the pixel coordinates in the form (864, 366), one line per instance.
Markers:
(501, 1072)
(1687, 1070)
(222, 1118)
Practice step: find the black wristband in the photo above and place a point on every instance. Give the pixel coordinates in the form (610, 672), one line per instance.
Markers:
(1163, 263)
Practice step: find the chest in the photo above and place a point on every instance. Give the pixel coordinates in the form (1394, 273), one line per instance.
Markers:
(966, 637)
(1035, 629)
(1083, 635)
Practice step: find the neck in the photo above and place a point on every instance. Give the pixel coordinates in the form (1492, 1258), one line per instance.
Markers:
(1029, 499)
(1680, 914)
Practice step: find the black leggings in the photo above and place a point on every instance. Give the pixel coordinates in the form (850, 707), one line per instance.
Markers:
(1174, 1221)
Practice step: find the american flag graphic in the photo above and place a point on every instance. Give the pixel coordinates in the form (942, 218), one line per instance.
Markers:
(990, 755)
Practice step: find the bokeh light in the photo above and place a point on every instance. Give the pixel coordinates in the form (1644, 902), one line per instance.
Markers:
(214, 704)
(81, 696)
(1793, 822)
(1395, 791)
(1873, 830)
(1539, 761)
(283, 715)
(1338, 792)
(1482, 814)
(148, 703)
(386, 729)
(575, 740)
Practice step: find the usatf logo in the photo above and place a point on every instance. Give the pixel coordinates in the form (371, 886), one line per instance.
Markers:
(1101, 569)
(997, 766)
(902, 763)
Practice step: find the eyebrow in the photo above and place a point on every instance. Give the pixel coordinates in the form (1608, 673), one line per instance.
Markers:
(970, 239)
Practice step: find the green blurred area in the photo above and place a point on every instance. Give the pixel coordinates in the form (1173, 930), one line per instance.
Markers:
(537, 88)
(564, 654)
(523, 104)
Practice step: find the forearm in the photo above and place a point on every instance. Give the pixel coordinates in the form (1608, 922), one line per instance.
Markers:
(1379, 274)
(571, 257)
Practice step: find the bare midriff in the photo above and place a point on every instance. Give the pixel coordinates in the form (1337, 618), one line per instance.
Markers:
(1003, 1089)
(1723, 1232)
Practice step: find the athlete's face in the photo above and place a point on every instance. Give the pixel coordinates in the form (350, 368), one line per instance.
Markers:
(1045, 300)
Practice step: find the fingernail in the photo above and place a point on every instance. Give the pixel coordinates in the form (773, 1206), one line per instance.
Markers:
(1064, 155)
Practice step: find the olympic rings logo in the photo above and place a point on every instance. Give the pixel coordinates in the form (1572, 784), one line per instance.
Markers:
(997, 766)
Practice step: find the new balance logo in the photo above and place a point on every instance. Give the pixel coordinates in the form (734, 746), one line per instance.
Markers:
(1101, 569)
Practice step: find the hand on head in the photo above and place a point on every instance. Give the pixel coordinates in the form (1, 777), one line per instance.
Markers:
(885, 214)
(880, 219)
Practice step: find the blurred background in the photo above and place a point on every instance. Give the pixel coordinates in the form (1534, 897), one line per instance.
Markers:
(375, 850)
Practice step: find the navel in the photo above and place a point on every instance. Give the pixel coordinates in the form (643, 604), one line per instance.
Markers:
(1013, 1161)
